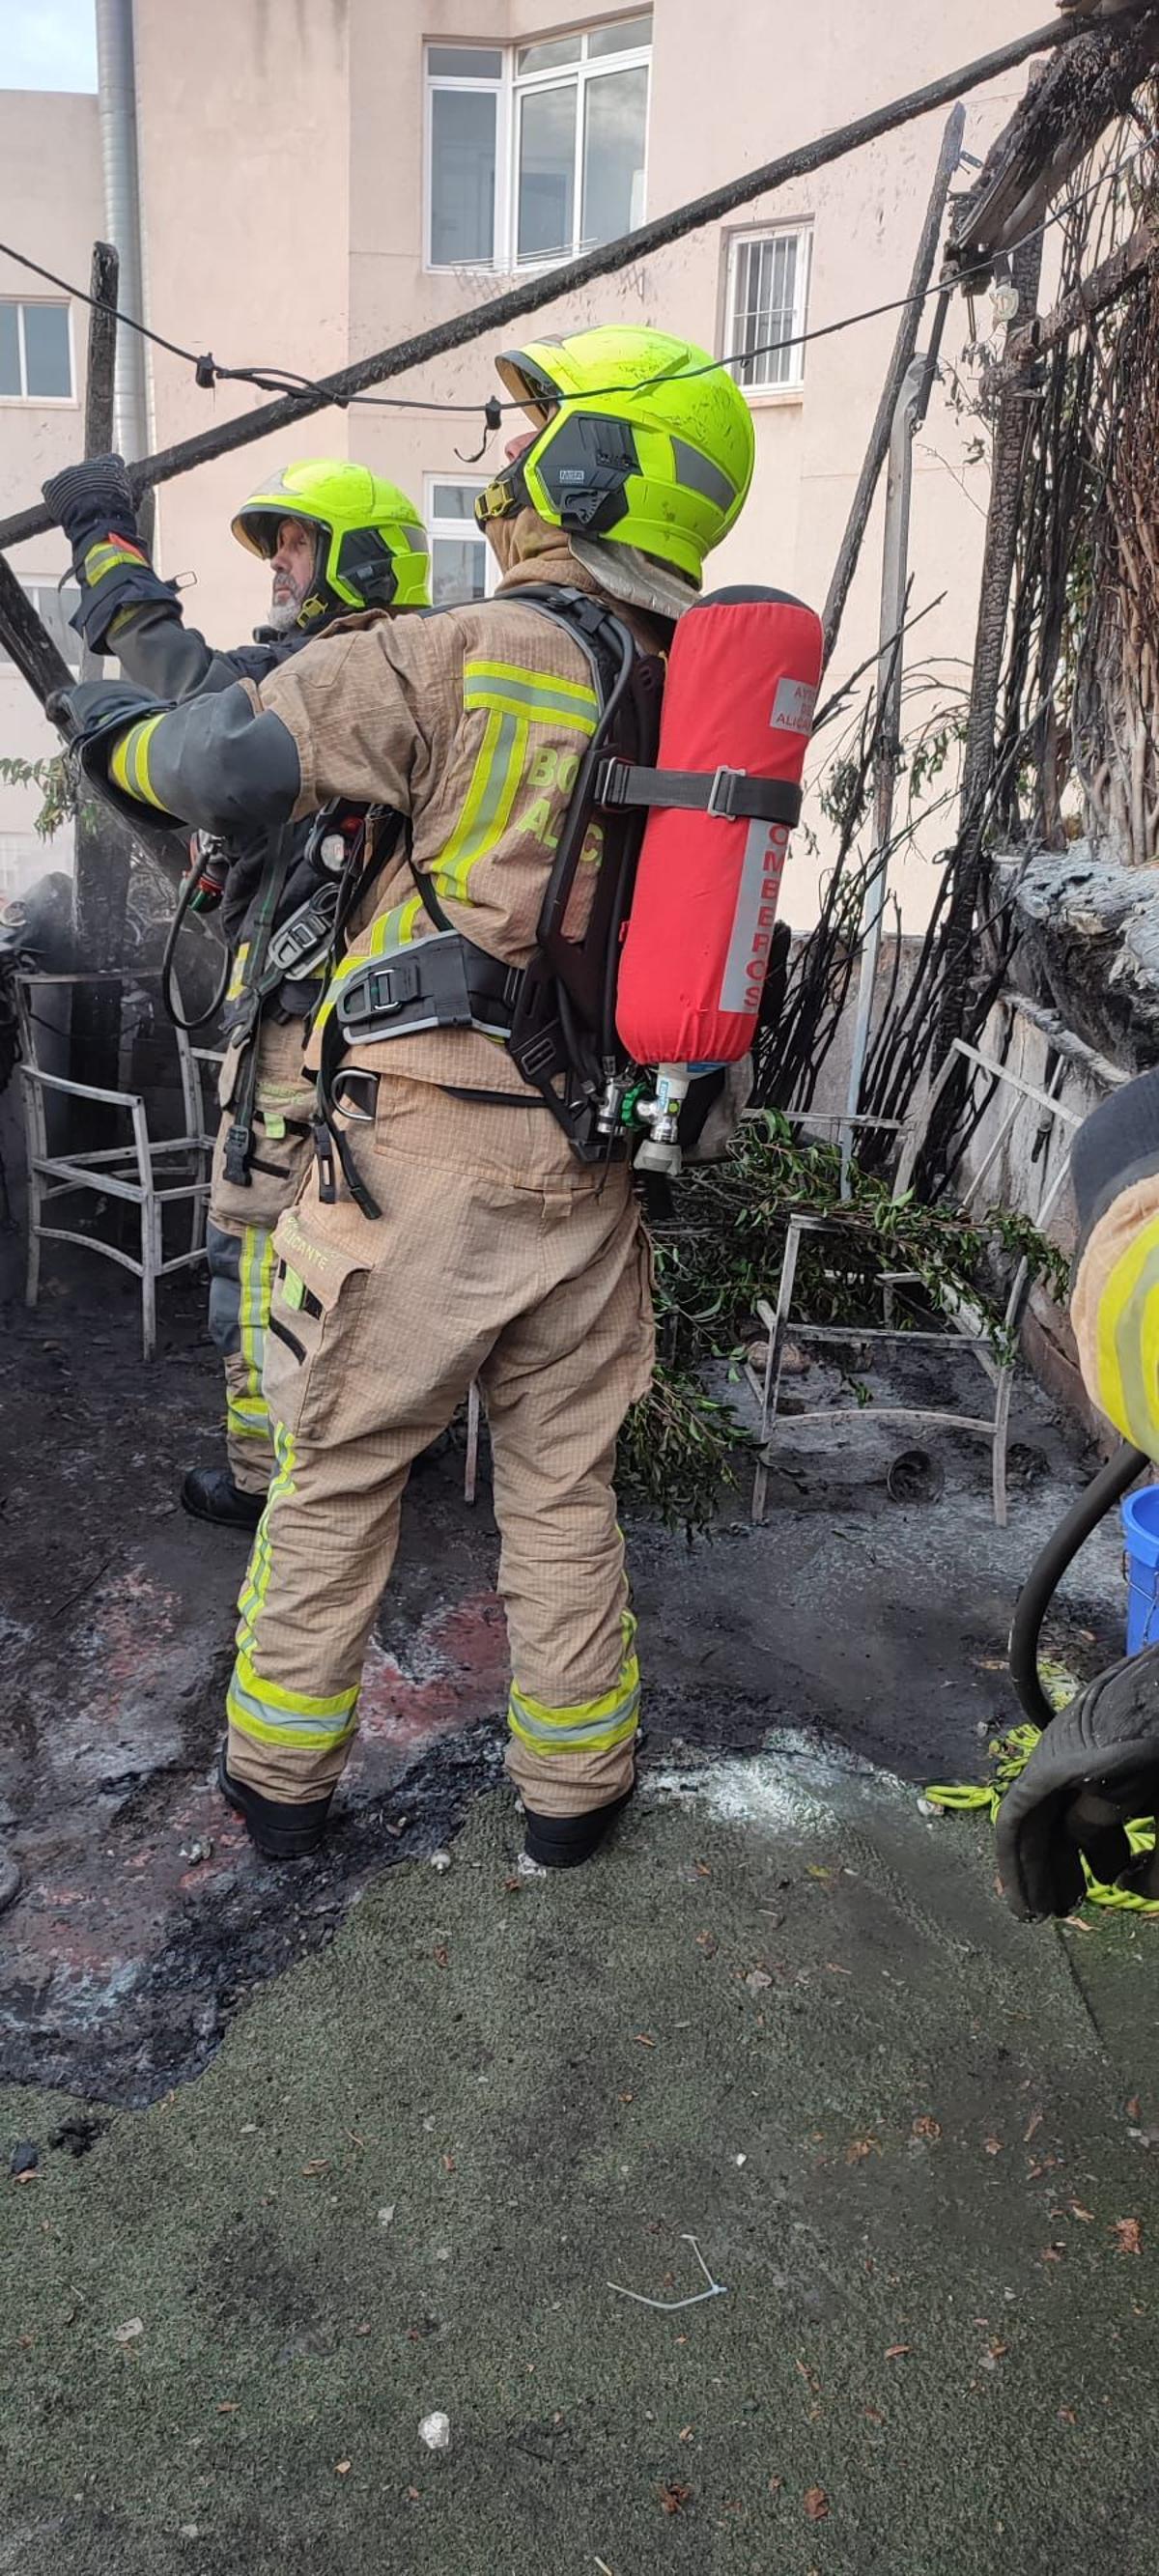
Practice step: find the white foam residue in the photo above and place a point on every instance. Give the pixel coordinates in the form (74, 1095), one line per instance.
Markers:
(792, 1786)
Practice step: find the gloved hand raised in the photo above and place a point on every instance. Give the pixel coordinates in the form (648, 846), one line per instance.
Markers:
(95, 708)
(93, 499)
(94, 504)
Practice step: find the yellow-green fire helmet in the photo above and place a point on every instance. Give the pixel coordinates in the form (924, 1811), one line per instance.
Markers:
(372, 546)
(644, 442)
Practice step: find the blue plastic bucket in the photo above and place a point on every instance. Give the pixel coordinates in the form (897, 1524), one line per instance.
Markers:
(1141, 1532)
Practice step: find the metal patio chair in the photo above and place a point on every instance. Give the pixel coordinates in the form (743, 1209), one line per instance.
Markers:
(151, 1174)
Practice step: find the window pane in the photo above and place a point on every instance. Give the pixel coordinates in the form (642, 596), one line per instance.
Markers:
(624, 38)
(546, 171)
(547, 58)
(458, 570)
(617, 116)
(9, 350)
(46, 349)
(54, 608)
(462, 175)
(465, 62)
(454, 500)
(764, 310)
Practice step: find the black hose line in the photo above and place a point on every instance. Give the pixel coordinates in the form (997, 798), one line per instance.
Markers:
(1042, 1582)
(185, 898)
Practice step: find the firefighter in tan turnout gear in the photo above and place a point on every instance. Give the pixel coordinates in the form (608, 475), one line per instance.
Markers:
(336, 538)
(460, 1223)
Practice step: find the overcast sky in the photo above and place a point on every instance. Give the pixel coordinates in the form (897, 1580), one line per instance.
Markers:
(47, 44)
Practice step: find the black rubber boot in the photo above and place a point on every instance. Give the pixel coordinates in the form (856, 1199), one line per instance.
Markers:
(280, 1832)
(565, 1842)
(210, 1494)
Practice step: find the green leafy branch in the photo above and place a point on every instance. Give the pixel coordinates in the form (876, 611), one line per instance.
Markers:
(53, 777)
(681, 1449)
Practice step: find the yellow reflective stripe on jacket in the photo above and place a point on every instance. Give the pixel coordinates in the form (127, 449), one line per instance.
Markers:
(1127, 1353)
(128, 761)
(393, 930)
(270, 1715)
(539, 695)
(103, 559)
(587, 1726)
(237, 979)
(498, 770)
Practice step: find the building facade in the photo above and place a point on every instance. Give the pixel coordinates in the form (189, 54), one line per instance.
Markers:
(319, 180)
(51, 206)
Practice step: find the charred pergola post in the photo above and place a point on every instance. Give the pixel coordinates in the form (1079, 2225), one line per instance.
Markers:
(1006, 477)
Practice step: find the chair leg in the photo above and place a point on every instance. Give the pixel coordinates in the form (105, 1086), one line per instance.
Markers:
(150, 1265)
(197, 1203)
(32, 1274)
(773, 1358)
(1001, 1444)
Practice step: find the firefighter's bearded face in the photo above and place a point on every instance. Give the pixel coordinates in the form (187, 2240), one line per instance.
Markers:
(512, 540)
(292, 566)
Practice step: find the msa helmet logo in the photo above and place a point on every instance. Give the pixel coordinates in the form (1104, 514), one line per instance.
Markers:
(793, 707)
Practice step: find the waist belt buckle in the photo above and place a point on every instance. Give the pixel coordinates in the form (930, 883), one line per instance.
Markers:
(376, 994)
(722, 794)
(612, 781)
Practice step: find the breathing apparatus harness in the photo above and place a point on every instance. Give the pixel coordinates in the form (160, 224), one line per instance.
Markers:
(285, 959)
(556, 1016)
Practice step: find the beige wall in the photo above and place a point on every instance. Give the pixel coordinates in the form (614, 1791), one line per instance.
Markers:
(282, 154)
(244, 139)
(50, 205)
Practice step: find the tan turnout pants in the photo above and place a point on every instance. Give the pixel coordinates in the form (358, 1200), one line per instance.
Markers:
(239, 1237)
(497, 1256)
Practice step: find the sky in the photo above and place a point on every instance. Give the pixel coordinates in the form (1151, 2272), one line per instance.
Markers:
(47, 44)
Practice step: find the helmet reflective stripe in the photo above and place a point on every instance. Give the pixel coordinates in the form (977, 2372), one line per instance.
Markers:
(372, 550)
(644, 442)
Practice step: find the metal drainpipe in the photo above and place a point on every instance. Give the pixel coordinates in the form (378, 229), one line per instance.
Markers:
(117, 104)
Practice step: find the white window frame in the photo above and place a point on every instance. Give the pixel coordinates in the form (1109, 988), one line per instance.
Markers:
(455, 529)
(32, 583)
(509, 89)
(787, 388)
(47, 402)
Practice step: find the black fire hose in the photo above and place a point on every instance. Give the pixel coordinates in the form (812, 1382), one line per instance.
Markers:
(190, 887)
(1042, 1582)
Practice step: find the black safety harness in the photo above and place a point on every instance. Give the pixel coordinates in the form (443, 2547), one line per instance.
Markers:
(556, 1016)
(292, 954)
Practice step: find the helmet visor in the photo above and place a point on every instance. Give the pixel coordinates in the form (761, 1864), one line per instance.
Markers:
(258, 528)
(529, 384)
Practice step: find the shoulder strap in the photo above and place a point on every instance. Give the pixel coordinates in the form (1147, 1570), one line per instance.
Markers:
(599, 633)
(238, 1135)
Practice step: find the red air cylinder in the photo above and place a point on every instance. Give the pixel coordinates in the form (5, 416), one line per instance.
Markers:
(739, 694)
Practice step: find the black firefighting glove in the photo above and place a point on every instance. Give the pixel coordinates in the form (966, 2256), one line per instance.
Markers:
(1093, 1772)
(94, 505)
(93, 500)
